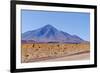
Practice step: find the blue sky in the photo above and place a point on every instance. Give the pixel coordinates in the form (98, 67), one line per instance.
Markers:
(74, 23)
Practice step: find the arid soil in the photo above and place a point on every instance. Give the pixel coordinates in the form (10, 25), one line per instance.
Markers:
(54, 52)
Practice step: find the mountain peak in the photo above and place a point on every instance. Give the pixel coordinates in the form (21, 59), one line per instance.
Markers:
(48, 26)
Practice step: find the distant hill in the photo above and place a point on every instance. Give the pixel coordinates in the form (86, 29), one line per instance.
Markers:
(49, 33)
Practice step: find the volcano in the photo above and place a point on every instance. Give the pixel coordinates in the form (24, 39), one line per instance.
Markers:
(48, 33)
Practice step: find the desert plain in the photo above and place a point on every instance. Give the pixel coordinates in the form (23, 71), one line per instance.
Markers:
(41, 52)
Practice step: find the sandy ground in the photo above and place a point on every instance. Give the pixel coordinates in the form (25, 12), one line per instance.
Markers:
(72, 57)
(81, 56)
(54, 52)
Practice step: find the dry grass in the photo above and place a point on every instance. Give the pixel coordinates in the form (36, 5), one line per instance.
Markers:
(38, 51)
